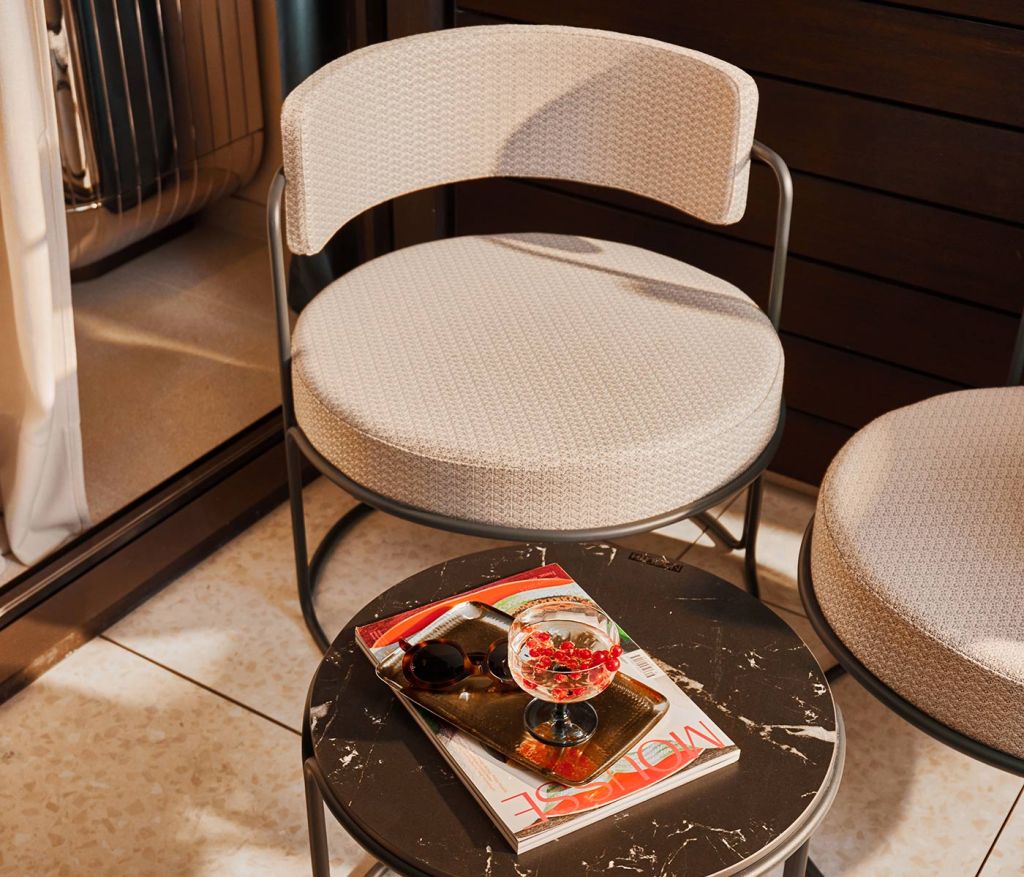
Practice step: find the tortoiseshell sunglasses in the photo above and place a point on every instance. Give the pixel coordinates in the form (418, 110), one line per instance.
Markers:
(437, 664)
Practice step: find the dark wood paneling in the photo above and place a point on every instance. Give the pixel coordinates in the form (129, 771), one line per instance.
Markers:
(951, 340)
(848, 388)
(962, 256)
(889, 52)
(931, 157)
(808, 446)
(997, 11)
(965, 257)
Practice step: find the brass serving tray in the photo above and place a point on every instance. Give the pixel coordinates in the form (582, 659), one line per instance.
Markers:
(627, 709)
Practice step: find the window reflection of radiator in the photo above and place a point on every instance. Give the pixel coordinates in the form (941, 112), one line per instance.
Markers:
(159, 112)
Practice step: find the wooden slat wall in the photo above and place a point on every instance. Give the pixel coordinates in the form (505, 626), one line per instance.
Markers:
(903, 124)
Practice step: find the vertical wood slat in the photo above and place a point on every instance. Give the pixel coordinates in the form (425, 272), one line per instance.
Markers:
(420, 216)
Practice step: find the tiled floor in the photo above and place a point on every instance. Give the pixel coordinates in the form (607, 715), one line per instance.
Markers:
(184, 332)
(170, 745)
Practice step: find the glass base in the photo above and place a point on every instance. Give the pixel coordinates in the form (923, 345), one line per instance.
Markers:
(560, 724)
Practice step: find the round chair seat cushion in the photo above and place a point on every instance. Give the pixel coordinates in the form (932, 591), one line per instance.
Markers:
(536, 381)
(917, 558)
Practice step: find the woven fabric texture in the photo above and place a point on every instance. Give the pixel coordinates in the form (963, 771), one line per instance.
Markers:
(918, 558)
(515, 100)
(536, 381)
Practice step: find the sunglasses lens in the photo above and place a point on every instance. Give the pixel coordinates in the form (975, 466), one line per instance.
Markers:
(437, 663)
(497, 662)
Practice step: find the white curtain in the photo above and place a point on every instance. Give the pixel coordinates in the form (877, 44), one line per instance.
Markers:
(42, 488)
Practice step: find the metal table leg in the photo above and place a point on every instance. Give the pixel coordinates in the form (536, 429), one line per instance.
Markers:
(318, 852)
(796, 864)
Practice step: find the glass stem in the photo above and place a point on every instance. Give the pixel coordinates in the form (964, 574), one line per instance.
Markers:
(561, 714)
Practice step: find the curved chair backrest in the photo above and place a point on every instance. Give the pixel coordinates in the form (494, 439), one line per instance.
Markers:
(521, 101)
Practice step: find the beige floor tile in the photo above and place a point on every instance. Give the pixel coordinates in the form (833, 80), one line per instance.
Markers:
(1007, 856)
(683, 532)
(908, 805)
(112, 766)
(702, 538)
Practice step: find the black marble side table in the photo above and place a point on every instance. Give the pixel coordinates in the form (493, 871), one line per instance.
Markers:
(387, 785)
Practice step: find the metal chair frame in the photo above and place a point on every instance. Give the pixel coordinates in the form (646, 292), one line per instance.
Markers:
(298, 445)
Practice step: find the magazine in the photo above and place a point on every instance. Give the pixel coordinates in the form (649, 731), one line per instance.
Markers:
(528, 809)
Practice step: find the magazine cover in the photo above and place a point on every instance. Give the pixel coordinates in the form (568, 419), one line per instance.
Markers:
(528, 809)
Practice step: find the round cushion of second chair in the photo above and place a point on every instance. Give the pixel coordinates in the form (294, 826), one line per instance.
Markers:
(541, 382)
(917, 558)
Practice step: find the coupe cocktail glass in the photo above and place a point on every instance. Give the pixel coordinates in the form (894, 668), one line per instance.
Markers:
(563, 651)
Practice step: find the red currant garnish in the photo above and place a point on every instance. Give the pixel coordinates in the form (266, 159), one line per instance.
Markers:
(544, 636)
(560, 677)
(585, 654)
(528, 685)
(615, 651)
(600, 657)
(612, 664)
(544, 662)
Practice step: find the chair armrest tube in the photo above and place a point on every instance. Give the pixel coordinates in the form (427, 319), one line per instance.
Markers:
(275, 236)
(782, 219)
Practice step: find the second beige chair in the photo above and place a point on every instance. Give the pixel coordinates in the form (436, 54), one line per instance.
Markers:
(533, 387)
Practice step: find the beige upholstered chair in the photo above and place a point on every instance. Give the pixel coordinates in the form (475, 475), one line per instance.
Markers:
(912, 570)
(526, 386)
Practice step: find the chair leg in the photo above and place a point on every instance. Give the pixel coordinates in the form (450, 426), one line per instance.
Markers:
(747, 540)
(751, 523)
(307, 572)
(293, 460)
(318, 852)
